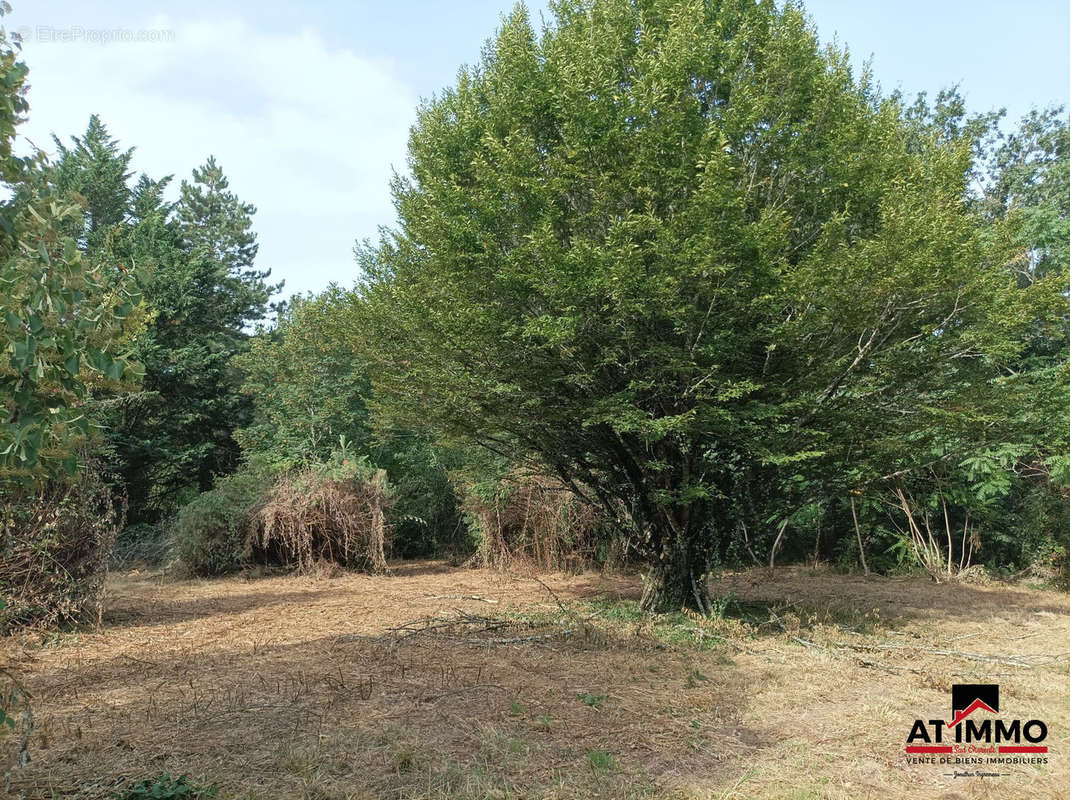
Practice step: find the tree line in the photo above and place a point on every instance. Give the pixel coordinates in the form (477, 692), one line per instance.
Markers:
(677, 260)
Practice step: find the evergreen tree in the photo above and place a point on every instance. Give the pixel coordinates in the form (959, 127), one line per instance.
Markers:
(95, 168)
(203, 290)
(216, 229)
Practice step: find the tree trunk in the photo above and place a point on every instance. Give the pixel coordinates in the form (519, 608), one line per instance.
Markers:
(679, 581)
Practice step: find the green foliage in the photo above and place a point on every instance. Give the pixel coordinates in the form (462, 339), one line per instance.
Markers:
(601, 761)
(64, 334)
(214, 533)
(206, 292)
(593, 700)
(13, 108)
(679, 629)
(679, 256)
(65, 323)
(1030, 182)
(202, 291)
(333, 511)
(167, 788)
(425, 518)
(94, 169)
(307, 386)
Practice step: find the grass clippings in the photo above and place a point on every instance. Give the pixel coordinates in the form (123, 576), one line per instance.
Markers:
(412, 685)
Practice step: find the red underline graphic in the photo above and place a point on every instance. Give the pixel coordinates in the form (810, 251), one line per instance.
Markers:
(1002, 748)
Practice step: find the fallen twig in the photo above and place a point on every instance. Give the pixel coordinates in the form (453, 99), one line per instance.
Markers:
(516, 639)
(570, 614)
(478, 597)
(433, 698)
(889, 667)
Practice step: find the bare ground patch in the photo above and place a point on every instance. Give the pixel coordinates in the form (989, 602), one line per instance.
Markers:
(297, 687)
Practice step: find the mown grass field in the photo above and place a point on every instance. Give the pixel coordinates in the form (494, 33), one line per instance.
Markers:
(437, 682)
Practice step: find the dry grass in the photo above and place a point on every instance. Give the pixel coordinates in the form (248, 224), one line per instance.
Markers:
(287, 687)
(309, 518)
(535, 521)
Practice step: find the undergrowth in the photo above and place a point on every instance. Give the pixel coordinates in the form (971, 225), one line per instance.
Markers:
(735, 620)
(167, 788)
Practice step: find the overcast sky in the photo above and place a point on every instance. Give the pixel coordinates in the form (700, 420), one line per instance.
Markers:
(307, 105)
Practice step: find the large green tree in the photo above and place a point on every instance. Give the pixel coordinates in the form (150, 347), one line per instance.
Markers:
(205, 293)
(679, 255)
(308, 386)
(195, 259)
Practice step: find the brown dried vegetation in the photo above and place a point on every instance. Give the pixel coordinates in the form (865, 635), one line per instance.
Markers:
(535, 521)
(54, 550)
(309, 518)
(451, 683)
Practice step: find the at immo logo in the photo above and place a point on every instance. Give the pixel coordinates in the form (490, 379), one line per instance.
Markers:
(976, 726)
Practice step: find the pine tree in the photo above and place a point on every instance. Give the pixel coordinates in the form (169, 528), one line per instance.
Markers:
(94, 167)
(204, 291)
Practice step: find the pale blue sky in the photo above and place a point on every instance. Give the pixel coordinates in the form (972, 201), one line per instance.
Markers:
(307, 104)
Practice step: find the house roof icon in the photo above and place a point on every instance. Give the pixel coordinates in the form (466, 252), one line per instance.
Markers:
(969, 697)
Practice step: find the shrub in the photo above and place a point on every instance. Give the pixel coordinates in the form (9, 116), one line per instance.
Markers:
(425, 517)
(215, 533)
(54, 550)
(534, 519)
(165, 786)
(334, 513)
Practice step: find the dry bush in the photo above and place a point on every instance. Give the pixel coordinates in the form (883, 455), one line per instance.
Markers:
(534, 520)
(313, 516)
(54, 548)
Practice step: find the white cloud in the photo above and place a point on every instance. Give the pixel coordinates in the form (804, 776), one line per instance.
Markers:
(306, 132)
